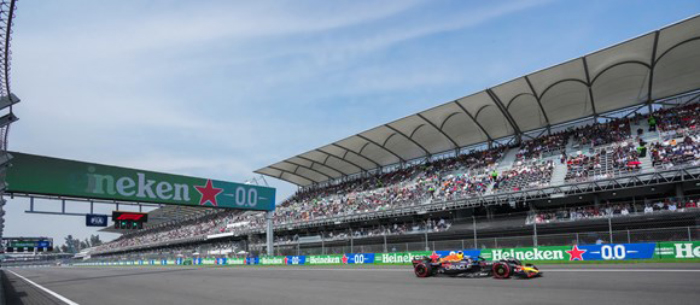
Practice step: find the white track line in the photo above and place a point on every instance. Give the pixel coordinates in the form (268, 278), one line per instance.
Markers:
(411, 270)
(56, 295)
(621, 270)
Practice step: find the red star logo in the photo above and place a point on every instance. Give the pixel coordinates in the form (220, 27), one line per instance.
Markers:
(209, 193)
(345, 259)
(575, 253)
(285, 260)
(434, 256)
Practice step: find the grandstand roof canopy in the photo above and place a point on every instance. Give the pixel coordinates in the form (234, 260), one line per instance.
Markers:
(650, 67)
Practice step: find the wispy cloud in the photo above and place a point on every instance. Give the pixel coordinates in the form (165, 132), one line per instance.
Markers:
(220, 89)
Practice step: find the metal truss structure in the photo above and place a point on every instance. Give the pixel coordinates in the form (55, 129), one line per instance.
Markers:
(7, 99)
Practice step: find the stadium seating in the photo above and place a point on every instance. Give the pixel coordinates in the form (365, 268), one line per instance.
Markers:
(616, 130)
(529, 174)
(612, 210)
(606, 162)
(669, 154)
(543, 146)
(596, 152)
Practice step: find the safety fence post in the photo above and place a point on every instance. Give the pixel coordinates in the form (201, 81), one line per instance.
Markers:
(427, 246)
(474, 228)
(385, 248)
(269, 234)
(690, 235)
(534, 236)
(352, 241)
(629, 239)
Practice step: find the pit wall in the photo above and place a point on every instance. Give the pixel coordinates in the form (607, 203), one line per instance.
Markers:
(561, 254)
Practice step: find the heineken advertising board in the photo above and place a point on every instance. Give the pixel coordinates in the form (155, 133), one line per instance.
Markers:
(574, 253)
(32, 174)
(688, 249)
(324, 259)
(235, 261)
(606, 252)
(274, 260)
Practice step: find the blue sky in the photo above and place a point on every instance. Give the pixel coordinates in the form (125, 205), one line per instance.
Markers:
(221, 88)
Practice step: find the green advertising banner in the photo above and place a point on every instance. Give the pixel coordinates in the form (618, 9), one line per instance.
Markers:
(398, 258)
(31, 174)
(209, 261)
(554, 253)
(235, 261)
(20, 244)
(688, 249)
(324, 259)
(273, 260)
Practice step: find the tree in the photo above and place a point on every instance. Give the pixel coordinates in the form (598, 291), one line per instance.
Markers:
(72, 244)
(95, 240)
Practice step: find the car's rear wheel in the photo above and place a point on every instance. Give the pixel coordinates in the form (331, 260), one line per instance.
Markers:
(422, 270)
(501, 270)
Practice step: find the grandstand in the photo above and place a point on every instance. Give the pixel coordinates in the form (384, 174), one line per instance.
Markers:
(600, 149)
(167, 214)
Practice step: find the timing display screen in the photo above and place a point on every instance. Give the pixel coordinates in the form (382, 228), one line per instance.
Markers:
(129, 216)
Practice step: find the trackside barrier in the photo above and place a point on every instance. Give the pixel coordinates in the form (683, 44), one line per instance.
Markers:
(603, 252)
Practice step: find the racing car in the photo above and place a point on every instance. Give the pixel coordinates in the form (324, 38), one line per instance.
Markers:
(474, 267)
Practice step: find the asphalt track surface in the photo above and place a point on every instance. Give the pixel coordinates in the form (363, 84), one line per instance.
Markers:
(561, 284)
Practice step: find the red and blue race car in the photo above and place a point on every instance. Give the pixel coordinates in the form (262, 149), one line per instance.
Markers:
(474, 267)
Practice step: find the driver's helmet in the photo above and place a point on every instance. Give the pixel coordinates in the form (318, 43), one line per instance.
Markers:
(460, 254)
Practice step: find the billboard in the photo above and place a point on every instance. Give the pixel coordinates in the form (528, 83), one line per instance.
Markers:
(560, 254)
(688, 249)
(575, 252)
(129, 220)
(27, 244)
(95, 220)
(132, 216)
(31, 174)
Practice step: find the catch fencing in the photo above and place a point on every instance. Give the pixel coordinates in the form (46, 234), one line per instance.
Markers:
(422, 242)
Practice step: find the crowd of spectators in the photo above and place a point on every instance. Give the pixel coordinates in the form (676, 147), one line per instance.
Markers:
(626, 156)
(678, 118)
(530, 174)
(547, 144)
(671, 153)
(428, 225)
(451, 178)
(606, 162)
(615, 130)
(610, 210)
(210, 223)
(443, 179)
(671, 205)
